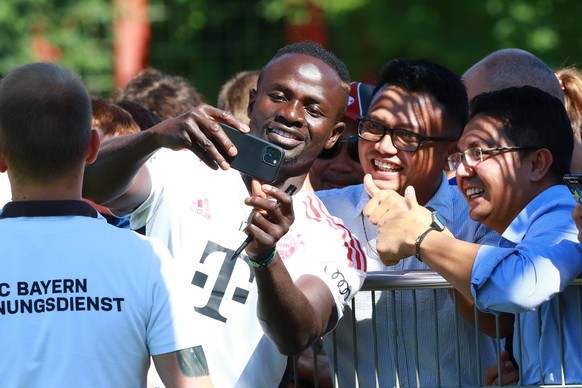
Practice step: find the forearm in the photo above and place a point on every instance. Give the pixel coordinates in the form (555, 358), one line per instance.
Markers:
(183, 368)
(117, 168)
(452, 258)
(292, 314)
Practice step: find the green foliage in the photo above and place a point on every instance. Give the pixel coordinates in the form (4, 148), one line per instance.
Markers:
(80, 30)
(221, 39)
(295, 11)
(455, 33)
(208, 41)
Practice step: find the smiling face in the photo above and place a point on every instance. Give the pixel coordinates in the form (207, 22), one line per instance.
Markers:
(341, 170)
(497, 188)
(297, 105)
(395, 169)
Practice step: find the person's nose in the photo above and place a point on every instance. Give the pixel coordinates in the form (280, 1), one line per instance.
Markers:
(464, 170)
(386, 145)
(292, 114)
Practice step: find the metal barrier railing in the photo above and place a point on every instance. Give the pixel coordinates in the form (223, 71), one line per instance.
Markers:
(390, 283)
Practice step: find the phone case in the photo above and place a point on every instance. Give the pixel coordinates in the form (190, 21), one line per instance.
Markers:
(256, 157)
(574, 183)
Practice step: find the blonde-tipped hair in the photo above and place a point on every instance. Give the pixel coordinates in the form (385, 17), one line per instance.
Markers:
(571, 82)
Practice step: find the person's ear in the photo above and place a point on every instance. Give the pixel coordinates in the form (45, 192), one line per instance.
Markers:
(93, 149)
(541, 161)
(335, 134)
(252, 99)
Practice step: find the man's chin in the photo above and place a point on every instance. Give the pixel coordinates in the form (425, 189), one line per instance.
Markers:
(476, 214)
(388, 185)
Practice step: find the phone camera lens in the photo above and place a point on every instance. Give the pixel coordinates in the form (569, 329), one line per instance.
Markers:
(272, 156)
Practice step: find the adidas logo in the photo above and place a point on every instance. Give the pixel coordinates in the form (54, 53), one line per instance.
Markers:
(201, 208)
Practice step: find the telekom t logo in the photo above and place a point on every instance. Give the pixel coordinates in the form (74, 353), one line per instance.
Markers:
(212, 307)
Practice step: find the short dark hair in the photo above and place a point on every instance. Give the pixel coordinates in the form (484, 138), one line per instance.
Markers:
(427, 77)
(316, 50)
(531, 117)
(45, 121)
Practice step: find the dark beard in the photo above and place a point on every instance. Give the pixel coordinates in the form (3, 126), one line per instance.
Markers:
(290, 161)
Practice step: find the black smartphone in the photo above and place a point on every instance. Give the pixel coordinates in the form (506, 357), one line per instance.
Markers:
(256, 157)
(574, 183)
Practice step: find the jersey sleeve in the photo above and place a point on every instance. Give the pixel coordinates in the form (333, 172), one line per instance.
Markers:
(334, 254)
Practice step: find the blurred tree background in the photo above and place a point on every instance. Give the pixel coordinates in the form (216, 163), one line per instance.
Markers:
(208, 41)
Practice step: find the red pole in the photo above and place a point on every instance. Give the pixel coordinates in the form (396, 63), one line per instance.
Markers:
(131, 30)
(312, 29)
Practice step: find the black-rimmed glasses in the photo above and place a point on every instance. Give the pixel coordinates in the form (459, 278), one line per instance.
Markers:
(402, 139)
(351, 145)
(473, 156)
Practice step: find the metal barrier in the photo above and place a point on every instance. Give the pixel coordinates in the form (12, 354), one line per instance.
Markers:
(391, 285)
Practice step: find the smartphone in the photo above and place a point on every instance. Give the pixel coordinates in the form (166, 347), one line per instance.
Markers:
(574, 183)
(256, 157)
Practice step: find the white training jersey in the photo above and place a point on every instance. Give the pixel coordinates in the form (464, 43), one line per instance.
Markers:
(200, 214)
(83, 302)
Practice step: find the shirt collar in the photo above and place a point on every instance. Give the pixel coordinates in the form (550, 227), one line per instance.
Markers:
(48, 209)
(441, 200)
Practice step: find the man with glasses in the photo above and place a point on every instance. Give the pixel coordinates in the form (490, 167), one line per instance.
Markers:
(416, 115)
(302, 266)
(514, 151)
(339, 166)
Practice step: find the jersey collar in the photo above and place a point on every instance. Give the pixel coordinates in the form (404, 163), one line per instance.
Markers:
(48, 209)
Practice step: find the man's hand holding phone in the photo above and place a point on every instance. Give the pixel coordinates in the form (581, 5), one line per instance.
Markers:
(199, 131)
(271, 219)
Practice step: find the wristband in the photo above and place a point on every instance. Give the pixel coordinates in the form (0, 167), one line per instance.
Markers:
(438, 224)
(419, 241)
(265, 262)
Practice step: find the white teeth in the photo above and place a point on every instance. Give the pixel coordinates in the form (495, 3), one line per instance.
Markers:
(474, 191)
(283, 133)
(384, 166)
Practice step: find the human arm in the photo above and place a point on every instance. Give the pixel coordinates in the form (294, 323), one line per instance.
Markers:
(541, 258)
(401, 221)
(183, 368)
(291, 313)
(504, 278)
(173, 334)
(119, 178)
(509, 374)
(328, 267)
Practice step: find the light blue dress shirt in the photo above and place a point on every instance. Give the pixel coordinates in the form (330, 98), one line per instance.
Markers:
(406, 332)
(529, 273)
